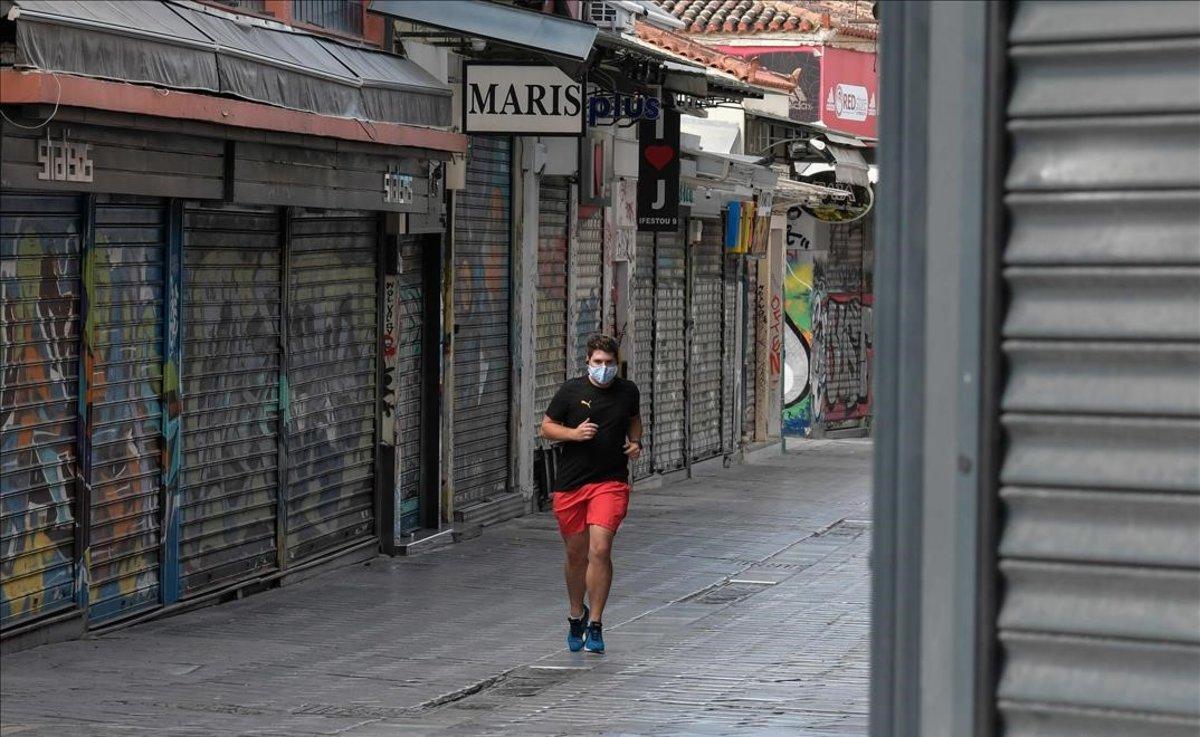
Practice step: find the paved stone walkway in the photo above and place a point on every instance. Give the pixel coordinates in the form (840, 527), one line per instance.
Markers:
(740, 608)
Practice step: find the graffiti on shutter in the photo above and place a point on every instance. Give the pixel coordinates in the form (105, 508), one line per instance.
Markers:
(643, 336)
(839, 363)
(551, 332)
(749, 350)
(705, 366)
(230, 484)
(123, 281)
(482, 233)
(411, 288)
(669, 356)
(586, 285)
(330, 387)
(39, 342)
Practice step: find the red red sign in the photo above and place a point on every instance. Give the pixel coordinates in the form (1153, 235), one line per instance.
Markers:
(849, 85)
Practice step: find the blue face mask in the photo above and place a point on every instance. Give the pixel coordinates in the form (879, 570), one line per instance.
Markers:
(602, 375)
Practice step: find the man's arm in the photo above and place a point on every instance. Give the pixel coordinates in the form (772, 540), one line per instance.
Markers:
(633, 444)
(552, 430)
(635, 429)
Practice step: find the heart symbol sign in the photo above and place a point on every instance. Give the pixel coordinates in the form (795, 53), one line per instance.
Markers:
(659, 155)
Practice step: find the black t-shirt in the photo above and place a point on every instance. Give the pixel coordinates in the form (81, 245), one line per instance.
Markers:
(603, 457)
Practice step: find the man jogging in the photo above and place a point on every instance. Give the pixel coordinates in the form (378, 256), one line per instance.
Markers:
(596, 418)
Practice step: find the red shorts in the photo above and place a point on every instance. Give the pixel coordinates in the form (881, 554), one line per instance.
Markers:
(603, 503)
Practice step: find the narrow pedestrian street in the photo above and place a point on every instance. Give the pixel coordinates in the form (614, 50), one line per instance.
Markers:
(740, 606)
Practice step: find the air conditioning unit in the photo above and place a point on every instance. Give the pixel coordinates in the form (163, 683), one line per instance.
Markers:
(611, 16)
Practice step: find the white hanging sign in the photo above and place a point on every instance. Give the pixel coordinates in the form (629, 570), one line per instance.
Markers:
(526, 99)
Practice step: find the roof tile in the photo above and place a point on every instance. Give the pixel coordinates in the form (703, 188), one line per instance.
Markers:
(748, 17)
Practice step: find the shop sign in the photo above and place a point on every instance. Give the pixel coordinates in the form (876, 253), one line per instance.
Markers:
(658, 174)
(524, 99)
(607, 109)
(64, 161)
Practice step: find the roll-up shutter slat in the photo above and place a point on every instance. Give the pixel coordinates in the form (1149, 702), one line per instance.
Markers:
(40, 329)
(332, 340)
(707, 360)
(643, 337)
(670, 353)
(586, 287)
(232, 324)
(750, 352)
(481, 315)
(409, 361)
(126, 310)
(551, 333)
(1099, 617)
(730, 355)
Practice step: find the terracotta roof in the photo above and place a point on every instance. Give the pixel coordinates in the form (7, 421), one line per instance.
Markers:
(749, 17)
(747, 70)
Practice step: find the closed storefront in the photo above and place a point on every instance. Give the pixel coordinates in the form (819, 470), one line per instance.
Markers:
(192, 331)
(645, 347)
(409, 377)
(587, 273)
(330, 416)
(232, 370)
(707, 354)
(482, 232)
(551, 332)
(40, 266)
(670, 352)
(749, 357)
(124, 344)
(1098, 560)
(731, 354)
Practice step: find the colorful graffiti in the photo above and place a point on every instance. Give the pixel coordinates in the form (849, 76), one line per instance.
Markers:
(797, 343)
(39, 327)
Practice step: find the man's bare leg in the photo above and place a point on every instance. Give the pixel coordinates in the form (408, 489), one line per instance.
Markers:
(599, 569)
(576, 570)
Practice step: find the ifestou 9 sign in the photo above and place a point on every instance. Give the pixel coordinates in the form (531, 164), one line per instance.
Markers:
(527, 99)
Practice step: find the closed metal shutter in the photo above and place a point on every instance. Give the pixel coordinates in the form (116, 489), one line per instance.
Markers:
(332, 334)
(1099, 620)
(729, 378)
(482, 232)
(839, 359)
(586, 288)
(669, 354)
(230, 482)
(409, 361)
(705, 368)
(551, 334)
(750, 351)
(643, 336)
(39, 399)
(125, 296)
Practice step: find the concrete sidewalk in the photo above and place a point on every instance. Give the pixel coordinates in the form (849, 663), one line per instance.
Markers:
(740, 607)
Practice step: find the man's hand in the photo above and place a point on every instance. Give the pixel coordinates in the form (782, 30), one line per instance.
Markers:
(633, 449)
(586, 430)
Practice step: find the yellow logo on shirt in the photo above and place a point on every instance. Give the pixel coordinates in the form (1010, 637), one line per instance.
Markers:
(585, 403)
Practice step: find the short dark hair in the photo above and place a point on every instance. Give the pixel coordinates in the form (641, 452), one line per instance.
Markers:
(601, 342)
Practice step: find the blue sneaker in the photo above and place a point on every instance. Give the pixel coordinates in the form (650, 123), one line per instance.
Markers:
(576, 628)
(595, 638)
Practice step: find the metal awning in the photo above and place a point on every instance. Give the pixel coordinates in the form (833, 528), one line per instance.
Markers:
(180, 47)
(527, 29)
(849, 165)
